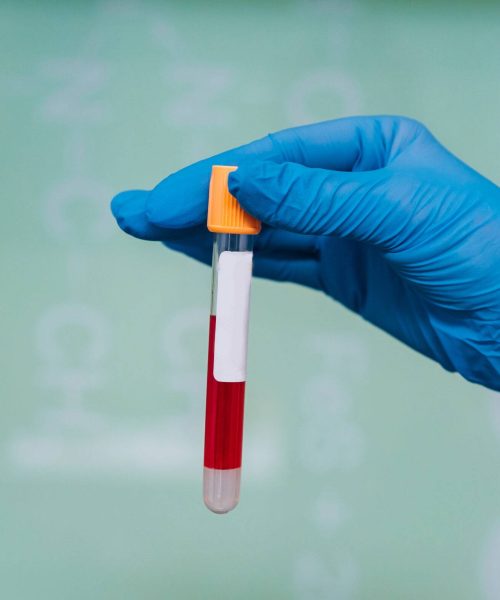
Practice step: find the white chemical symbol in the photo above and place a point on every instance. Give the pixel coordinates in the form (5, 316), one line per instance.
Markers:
(322, 94)
(78, 83)
(76, 211)
(200, 99)
(72, 341)
(317, 578)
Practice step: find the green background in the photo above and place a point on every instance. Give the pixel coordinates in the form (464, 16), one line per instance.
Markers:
(369, 472)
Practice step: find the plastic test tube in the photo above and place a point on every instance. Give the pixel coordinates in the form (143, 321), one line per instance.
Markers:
(227, 349)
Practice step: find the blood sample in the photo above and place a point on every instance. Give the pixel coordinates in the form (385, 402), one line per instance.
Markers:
(227, 348)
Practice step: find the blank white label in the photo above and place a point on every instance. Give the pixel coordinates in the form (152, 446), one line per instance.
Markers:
(234, 275)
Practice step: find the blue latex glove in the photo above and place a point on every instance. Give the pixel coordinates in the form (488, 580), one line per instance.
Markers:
(371, 210)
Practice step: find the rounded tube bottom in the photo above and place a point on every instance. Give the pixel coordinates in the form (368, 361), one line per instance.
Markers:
(221, 489)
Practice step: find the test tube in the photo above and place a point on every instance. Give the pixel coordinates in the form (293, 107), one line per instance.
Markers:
(227, 346)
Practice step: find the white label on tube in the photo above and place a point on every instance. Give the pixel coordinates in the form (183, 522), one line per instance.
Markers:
(234, 276)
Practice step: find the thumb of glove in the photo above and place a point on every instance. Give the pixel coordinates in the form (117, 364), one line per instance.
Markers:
(319, 201)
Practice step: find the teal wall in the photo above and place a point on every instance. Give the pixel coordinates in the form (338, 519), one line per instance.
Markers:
(369, 472)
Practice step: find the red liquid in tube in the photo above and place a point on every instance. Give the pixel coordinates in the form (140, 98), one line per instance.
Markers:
(223, 437)
(224, 416)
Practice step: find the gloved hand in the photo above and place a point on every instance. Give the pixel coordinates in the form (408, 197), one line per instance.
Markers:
(371, 210)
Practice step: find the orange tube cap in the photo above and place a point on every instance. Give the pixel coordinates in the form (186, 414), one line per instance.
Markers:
(225, 215)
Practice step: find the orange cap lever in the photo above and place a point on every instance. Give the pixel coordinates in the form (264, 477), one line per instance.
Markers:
(225, 215)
